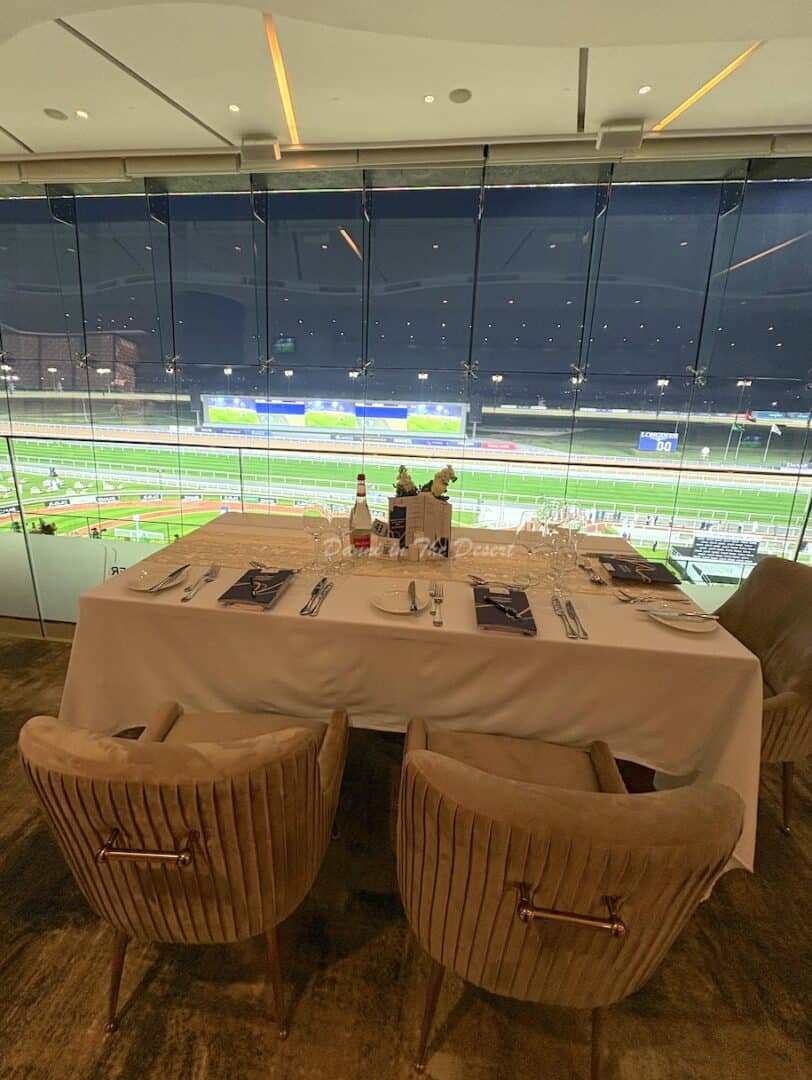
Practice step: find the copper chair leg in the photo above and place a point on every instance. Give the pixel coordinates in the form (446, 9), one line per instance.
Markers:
(787, 773)
(598, 1016)
(120, 943)
(432, 994)
(275, 971)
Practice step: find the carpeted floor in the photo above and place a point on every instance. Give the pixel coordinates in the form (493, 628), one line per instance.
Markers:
(729, 1002)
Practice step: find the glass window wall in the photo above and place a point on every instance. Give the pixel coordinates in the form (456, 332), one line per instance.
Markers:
(632, 345)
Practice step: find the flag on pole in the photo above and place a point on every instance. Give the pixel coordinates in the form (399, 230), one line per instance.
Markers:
(775, 430)
(749, 417)
(736, 427)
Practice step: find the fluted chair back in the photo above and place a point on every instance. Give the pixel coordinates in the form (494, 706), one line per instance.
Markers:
(480, 856)
(771, 615)
(199, 843)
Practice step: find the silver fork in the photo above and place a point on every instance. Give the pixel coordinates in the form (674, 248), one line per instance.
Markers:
(210, 575)
(438, 605)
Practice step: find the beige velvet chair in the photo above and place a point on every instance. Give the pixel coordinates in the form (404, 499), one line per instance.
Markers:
(771, 615)
(528, 870)
(201, 828)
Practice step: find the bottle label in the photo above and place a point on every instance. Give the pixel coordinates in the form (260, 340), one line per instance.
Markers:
(361, 541)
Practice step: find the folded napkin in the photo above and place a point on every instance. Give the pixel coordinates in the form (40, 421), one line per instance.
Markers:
(258, 588)
(640, 571)
(491, 617)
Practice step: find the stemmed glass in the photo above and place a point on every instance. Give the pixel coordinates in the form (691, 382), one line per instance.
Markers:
(316, 520)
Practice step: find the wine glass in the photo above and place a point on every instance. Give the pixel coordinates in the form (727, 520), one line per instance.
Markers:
(316, 519)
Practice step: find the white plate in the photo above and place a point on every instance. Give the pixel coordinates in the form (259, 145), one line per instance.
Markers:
(149, 580)
(692, 626)
(396, 601)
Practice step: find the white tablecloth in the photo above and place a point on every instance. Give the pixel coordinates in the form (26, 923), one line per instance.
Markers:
(687, 705)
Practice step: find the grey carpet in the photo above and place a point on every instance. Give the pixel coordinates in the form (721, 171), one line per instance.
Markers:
(728, 1003)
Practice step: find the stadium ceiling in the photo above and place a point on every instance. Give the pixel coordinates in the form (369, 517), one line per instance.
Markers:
(124, 90)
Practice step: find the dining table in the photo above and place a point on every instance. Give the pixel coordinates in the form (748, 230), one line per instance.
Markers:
(685, 704)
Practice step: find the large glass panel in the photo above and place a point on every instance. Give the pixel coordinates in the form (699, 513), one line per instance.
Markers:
(765, 324)
(253, 350)
(315, 282)
(17, 597)
(218, 279)
(41, 329)
(532, 277)
(653, 277)
(421, 277)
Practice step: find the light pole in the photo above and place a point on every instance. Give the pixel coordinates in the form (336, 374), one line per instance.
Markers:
(227, 371)
(288, 373)
(662, 383)
(743, 385)
(104, 371)
(52, 371)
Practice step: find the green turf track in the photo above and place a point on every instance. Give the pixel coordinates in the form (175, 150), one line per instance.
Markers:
(491, 484)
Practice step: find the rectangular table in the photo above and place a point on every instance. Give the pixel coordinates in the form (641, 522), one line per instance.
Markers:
(686, 705)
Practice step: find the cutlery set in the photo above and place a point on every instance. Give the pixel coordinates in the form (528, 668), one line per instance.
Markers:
(317, 597)
(565, 610)
(191, 590)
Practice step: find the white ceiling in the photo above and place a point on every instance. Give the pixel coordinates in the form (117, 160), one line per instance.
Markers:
(159, 77)
(519, 22)
(351, 85)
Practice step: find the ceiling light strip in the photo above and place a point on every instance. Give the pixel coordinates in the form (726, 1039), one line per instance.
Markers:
(734, 65)
(346, 236)
(282, 79)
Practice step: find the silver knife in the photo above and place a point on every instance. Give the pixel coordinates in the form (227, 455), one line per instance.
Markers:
(412, 597)
(681, 614)
(573, 614)
(169, 577)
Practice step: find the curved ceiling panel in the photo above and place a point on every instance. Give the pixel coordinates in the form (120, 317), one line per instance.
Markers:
(522, 22)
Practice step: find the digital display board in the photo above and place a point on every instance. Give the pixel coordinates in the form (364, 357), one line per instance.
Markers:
(663, 442)
(404, 419)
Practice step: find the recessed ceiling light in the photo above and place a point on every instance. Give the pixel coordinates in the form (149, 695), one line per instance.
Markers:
(645, 89)
(460, 95)
(55, 114)
(429, 99)
(83, 114)
(683, 243)
(233, 108)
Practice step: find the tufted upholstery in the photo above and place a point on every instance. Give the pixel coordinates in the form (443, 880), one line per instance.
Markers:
(466, 839)
(469, 837)
(771, 614)
(262, 808)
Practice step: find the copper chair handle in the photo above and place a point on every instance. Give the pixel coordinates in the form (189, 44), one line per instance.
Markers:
(527, 912)
(109, 851)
